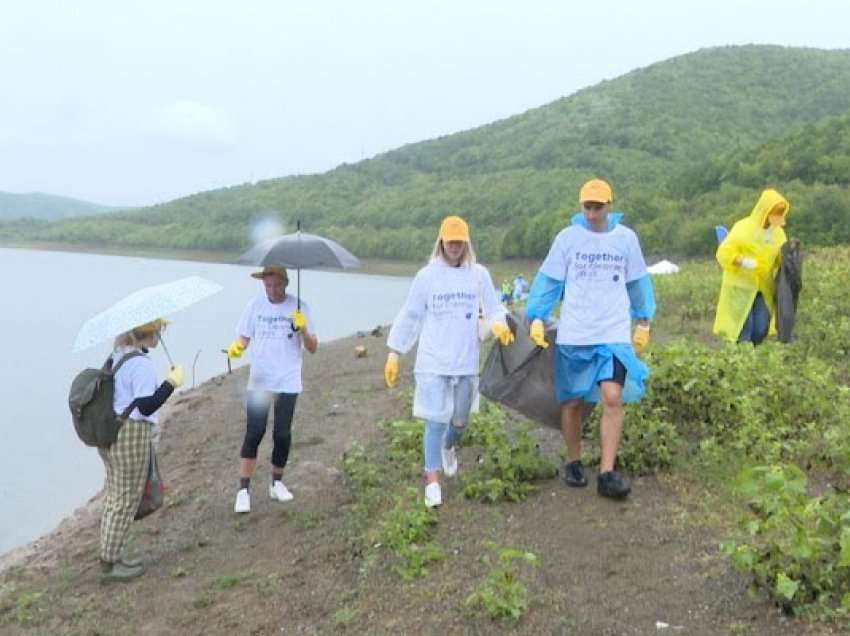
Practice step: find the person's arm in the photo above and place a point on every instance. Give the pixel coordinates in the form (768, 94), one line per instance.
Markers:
(238, 346)
(544, 295)
(730, 253)
(639, 286)
(641, 300)
(548, 286)
(494, 310)
(310, 340)
(149, 404)
(407, 325)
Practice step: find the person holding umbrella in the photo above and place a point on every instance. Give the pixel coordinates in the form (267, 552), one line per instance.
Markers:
(277, 327)
(441, 312)
(135, 326)
(126, 460)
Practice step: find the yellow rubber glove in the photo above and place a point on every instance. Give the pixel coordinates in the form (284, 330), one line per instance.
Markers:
(299, 320)
(503, 333)
(175, 376)
(640, 339)
(236, 349)
(391, 369)
(538, 334)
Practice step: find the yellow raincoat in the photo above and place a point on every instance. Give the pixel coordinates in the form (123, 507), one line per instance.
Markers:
(749, 239)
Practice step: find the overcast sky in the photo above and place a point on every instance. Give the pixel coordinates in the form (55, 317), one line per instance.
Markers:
(133, 106)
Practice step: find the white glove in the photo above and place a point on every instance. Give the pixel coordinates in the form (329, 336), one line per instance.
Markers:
(748, 263)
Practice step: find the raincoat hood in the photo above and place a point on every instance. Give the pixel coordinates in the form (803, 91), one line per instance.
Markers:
(769, 200)
(613, 220)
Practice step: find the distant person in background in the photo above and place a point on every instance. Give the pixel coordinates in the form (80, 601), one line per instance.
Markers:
(519, 288)
(277, 331)
(597, 266)
(441, 313)
(750, 257)
(139, 397)
(507, 292)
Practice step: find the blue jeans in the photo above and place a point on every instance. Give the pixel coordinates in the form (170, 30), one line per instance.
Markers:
(757, 323)
(446, 434)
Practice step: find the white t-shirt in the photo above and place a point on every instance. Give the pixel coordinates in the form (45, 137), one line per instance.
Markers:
(596, 267)
(442, 311)
(276, 349)
(135, 379)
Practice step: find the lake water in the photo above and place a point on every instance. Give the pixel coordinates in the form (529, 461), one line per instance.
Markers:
(45, 471)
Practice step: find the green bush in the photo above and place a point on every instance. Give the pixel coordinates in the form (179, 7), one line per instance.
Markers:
(796, 547)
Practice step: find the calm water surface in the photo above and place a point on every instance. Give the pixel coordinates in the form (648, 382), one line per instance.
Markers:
(45, 471)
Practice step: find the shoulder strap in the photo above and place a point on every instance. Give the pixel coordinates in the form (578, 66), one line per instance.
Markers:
(133, 354)
(124, 358)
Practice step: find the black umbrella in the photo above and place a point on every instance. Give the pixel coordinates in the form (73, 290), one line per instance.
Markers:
(300, 250)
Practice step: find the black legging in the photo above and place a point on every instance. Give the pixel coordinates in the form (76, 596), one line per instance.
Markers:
(259, 403)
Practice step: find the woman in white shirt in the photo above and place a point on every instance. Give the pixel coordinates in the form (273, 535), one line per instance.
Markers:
(441, 312)
(136, 399)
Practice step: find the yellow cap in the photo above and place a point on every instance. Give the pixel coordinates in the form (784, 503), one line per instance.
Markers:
(596, 190)
(271, 269)
(454, 228)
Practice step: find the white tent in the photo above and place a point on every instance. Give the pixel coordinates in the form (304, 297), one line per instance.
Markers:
(663, 267)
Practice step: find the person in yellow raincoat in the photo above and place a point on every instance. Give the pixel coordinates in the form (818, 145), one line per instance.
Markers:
(750, 257)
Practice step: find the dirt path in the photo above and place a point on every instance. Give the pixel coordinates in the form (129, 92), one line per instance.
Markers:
(604, 567)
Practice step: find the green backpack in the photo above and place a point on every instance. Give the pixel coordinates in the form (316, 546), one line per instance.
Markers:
(90, 400)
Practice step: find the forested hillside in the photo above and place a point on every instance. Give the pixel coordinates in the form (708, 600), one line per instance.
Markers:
(37, 205)
(687, 143)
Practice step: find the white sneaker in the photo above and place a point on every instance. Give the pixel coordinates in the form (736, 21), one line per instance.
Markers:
(433, 495)
(449, 461)
(243, 501)
(280, 492)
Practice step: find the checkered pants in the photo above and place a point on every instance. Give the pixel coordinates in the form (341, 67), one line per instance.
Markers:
(126, 463)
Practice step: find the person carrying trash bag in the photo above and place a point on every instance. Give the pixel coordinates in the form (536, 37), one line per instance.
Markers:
(750, 257)
(126, 460)
(596, 264)
(441, 312)
(277, 331)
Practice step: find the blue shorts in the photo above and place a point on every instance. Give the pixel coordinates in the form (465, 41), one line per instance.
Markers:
(580, 368)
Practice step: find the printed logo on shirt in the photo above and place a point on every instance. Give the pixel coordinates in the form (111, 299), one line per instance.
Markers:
(599, 266)
(445, 304)
(274, 327)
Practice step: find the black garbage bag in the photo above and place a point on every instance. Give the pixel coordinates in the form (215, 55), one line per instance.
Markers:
(789, 282)
(522, 375)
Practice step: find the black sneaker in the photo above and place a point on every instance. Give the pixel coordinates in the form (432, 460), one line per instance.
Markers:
(574, 474)
(613, 485)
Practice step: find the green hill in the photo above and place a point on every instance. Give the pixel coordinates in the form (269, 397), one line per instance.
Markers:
(37, 205)
(658, 134)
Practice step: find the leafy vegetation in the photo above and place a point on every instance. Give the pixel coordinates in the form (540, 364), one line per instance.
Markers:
(797, 546)
(502, 595)
(686, 143)
(506, 469)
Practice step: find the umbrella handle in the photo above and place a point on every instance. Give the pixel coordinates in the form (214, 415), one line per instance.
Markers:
(165, 349)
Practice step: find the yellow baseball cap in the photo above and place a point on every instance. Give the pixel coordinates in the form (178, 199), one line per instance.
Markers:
(596, 190)
(454, 228)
